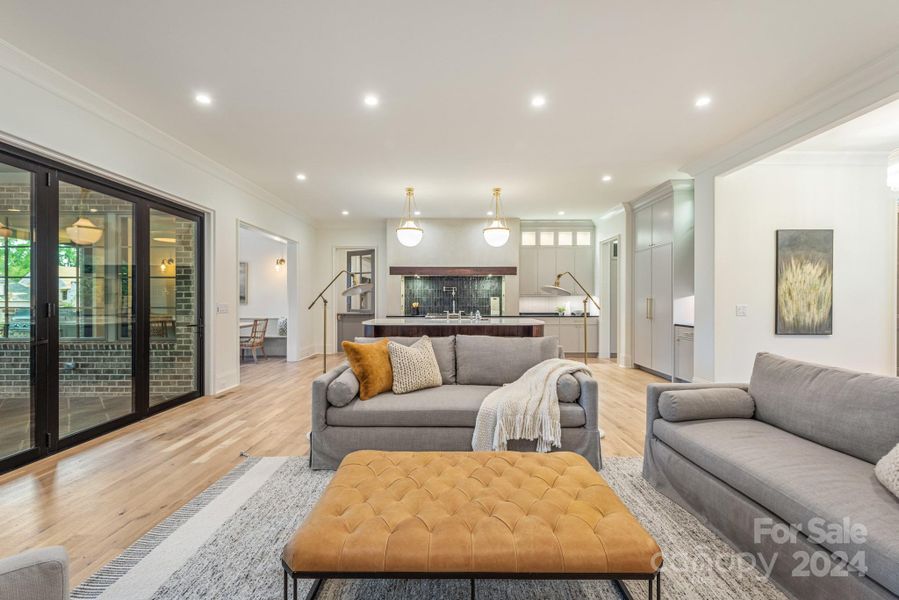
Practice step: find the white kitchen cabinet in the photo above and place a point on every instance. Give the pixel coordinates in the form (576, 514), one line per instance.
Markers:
(558, 251)
(546, 266)
(642, 312)
(571, 336)
(642, 229)
(662, 310)
(683, 352)
(663, 221)
(527, 271)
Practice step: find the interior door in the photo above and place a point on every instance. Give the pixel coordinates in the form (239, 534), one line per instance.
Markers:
(662, 317)
(643, 308)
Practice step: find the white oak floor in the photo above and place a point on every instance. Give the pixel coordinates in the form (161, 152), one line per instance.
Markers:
(98, 498)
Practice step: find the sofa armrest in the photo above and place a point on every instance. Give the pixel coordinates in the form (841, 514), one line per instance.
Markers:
(41, 574)
(655, 390)
(320, 395)
(589, 399)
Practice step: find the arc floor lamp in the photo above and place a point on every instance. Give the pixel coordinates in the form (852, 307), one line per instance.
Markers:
(557, 289)
(356, 289)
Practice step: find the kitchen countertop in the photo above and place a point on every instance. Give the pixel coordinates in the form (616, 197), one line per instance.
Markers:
(486, 321)
(557, 316)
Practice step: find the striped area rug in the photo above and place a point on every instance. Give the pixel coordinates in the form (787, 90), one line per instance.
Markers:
(226, 543)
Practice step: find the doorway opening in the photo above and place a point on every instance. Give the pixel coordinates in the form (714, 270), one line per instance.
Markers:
(266, 292)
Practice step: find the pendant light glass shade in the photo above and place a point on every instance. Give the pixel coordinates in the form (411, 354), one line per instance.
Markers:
(83, 232)
(893, 170)
(497, 232)
(409, 232)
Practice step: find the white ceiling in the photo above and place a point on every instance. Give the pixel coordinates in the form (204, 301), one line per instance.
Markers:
(455, 80)
(875, 131)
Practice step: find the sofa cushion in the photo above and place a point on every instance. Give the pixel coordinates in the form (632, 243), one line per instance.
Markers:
(487, 360)
(798, 480)
(445, 406)
(444, 349)
(708, 403)
(343, 389)
(887, 471)
(371, 366)
(568, 388)
(414, 367)
(855, 413)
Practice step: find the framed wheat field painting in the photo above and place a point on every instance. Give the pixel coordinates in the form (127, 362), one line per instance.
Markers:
(804, 296)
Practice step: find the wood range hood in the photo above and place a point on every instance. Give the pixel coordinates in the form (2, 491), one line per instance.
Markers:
(454, 271)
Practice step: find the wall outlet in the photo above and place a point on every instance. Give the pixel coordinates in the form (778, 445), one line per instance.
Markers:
(221, 309)
(742, 310)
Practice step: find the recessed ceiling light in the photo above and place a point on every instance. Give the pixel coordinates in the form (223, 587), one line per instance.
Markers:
(204, 99)
(301, 177)
(538, 101)
(607, 178)
(344, 212)
(417, 212)
(702, 101)
(560, 213)
(371, 100)
(489, 213)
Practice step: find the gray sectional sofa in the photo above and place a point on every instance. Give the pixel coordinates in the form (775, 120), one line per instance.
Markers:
(443, 418)
(804, 456)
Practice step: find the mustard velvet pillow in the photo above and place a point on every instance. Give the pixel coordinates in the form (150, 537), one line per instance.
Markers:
(371, 365)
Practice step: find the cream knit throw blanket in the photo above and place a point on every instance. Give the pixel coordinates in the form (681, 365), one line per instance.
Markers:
(526, 409)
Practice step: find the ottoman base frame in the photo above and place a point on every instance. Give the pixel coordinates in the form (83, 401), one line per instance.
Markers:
(654, 580)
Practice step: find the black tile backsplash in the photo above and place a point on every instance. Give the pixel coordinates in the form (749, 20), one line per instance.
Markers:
(472, 293)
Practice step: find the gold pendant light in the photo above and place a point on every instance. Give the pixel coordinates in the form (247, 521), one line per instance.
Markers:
(497, 231)
(409, 232)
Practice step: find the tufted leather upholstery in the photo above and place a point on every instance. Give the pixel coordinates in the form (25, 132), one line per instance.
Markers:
(470, 512)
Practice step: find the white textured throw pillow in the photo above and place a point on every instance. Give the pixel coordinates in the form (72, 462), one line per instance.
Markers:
(887, 471)
(414, 367)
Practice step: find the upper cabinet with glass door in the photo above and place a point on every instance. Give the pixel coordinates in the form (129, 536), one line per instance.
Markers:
(552, 247)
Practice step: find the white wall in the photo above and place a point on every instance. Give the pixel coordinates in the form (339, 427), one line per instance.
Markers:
(796, 192)
(47, 113)
(267, 297)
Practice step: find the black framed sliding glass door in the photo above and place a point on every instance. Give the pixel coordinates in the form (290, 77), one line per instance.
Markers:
(101, 306)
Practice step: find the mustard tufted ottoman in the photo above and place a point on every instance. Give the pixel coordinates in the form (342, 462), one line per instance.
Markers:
(470, 515)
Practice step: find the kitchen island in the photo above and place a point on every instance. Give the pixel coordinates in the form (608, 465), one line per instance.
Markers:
(418, 326)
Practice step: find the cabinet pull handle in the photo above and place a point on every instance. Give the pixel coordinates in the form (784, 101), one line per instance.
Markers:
(649, 308)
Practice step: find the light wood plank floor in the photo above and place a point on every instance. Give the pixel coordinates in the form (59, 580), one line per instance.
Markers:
(98, 498)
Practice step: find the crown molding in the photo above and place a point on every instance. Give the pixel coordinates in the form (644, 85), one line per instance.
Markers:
(826, 158)
(35, 72)
(663, 190)
(873, 84)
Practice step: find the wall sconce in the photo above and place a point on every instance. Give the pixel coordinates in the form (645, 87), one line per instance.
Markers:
(166, 263)
(280, 262)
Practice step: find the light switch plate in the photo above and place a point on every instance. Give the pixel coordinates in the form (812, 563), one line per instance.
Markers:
(221, 309)
(742, 310)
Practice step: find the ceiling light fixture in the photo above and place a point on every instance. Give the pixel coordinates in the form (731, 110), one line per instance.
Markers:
(497, 231)
(409, 232)
(417, 213)
(165, 240)
(538, 101)
(606, 178)
(371, 100)
(203, 99)
(301, 177)
(703, 101)
(83, 232)
(893, 170)
(344, 212)
(489, 213)
(561, 213)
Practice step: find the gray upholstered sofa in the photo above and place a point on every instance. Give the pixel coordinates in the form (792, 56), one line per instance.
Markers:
(41, 574)
(443, 418)
(804, 457)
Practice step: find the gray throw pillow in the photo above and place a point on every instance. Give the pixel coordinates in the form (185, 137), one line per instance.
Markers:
(414, 367)
(569, 388)
(343, 389)
(887, 471)
(709, 403)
